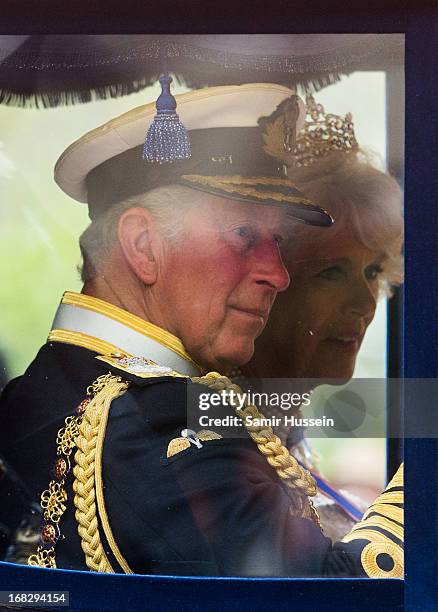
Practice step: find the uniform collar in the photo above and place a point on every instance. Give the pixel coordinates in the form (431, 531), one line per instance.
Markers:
(99, 326)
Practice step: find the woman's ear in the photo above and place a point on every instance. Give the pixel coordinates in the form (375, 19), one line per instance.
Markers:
(138, 236)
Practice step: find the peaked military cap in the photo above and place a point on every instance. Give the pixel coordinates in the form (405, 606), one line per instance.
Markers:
(228, 157)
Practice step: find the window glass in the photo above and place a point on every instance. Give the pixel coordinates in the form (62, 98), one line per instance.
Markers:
(225, 260)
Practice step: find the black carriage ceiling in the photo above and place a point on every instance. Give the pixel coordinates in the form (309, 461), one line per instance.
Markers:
(51, 70)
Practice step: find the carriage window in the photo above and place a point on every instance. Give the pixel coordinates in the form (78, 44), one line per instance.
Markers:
(203, 293)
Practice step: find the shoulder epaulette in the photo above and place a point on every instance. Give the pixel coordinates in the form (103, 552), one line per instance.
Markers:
(138, 369)
(382, 531)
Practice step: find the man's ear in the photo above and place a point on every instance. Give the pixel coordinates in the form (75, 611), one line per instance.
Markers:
(138, 238)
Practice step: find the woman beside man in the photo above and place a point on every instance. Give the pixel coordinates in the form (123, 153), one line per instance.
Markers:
(338, 274)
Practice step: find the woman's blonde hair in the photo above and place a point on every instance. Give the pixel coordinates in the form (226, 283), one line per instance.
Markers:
(362, 199)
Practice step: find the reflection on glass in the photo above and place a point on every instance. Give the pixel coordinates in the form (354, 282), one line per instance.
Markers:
(181, 266)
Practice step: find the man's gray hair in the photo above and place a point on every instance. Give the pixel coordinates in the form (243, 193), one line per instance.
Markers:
(167, 206)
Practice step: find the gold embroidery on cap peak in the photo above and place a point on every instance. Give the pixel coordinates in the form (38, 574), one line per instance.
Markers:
(238, 184)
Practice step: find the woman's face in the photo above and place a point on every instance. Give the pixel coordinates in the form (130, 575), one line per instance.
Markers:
(323, 316)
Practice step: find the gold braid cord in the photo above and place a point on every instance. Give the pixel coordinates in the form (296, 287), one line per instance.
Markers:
(380, 524)
(79, 431)
(299, 482)
(106, 389)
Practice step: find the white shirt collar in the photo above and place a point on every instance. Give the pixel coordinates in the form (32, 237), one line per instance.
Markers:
(104, 328)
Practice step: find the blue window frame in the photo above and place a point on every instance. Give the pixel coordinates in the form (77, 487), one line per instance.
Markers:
(420, 350)
(418, 327)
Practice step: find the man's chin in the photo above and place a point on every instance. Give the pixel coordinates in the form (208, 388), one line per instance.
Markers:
(232, 357)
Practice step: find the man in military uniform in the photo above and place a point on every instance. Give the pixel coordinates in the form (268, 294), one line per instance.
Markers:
(181, 267)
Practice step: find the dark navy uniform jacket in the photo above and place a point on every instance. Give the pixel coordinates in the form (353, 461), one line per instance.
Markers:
(216, 510)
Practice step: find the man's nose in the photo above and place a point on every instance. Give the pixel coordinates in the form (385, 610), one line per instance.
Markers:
(269, 268)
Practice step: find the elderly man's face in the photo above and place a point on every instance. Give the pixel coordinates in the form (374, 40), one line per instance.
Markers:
(217, 285)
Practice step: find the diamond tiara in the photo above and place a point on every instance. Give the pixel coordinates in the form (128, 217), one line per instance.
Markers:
(323, 133)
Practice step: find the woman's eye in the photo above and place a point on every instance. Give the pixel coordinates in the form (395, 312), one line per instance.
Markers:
(332, 273)
(373, 271)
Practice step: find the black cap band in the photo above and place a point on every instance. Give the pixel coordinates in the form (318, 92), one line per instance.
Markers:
(234, 155)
